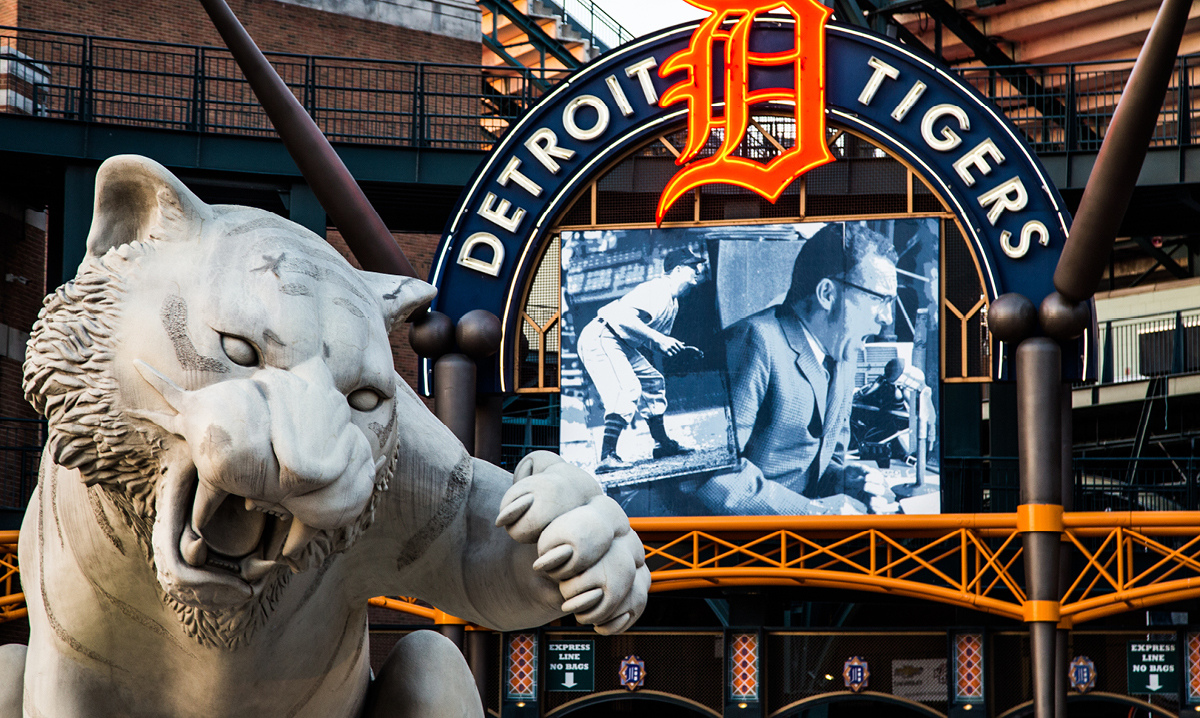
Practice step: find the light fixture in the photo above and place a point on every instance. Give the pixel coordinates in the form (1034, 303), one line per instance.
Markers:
(741, 705)
(968, 707)
(521, 704)
(829, 676)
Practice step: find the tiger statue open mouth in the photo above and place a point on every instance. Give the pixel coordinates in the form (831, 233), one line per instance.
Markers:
(233, 467)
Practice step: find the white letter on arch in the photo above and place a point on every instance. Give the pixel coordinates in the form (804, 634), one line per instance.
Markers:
(595, 130)
(498, 215)
(543, 145)
(1009, 196)
(882, 70)
(949, 139)
(466, 259)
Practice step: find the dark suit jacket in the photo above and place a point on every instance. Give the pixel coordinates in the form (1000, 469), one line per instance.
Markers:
(786, 415)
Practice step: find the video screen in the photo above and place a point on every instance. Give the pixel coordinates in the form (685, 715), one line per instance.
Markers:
(787, 369)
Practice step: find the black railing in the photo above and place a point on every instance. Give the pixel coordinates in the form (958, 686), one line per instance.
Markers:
(1074, 102)
(591, 21)
(974, 485)
(21, 442)
(201, 89)
(1149, 346)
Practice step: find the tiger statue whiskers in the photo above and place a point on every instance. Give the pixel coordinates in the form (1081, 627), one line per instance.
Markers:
(234, 467)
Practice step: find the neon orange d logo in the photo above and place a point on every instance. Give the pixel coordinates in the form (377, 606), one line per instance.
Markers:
(807, 56)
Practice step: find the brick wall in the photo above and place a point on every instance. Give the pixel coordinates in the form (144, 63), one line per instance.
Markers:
(8, 12)
(275, 27)
(419, 248)
(23, 257)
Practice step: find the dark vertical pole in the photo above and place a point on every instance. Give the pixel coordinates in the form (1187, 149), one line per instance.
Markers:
(419, 107)
(1106, 369)
(488, 408)
(1039, 427)
(1177, 344)
(480, 658)
(453, 631)
(197, 94)
(454, 396)
(85, 81)
(1072, 119)
(1062, 642)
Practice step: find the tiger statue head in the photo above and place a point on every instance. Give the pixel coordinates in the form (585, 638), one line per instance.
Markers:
(225, 378)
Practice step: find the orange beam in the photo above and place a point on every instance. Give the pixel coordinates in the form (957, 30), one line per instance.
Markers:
(828, 552)
(404, 607)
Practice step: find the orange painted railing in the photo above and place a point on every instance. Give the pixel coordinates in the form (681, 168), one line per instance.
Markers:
(1122, 560)
(969, 560)
(12, 601)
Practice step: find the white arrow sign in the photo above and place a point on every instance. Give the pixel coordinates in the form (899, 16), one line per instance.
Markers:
(569, 681)
(1153, 684)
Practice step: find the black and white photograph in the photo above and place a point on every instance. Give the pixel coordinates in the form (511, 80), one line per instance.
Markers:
(644, 394)
(755, 370)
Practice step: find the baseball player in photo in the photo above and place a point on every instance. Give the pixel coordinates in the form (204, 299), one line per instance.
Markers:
(624, 378)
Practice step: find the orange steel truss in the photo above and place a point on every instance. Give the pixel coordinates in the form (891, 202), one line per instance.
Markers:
(1120, 561)
(12, 600)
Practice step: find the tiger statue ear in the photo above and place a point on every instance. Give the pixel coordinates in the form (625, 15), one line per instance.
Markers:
(400, 296)
(138, 199)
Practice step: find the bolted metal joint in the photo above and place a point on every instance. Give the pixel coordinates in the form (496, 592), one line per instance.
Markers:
(1062, 318)
(1012, 318)
(431, 335)
(478, 334)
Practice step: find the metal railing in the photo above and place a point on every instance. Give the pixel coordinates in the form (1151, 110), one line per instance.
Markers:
(420, 104)
(201, 89)
(1074, 102)
(1149, 346)
(21, 442)
(596, 25)
(992, 484)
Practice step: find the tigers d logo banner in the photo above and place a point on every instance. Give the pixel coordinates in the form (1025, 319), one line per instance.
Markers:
(725, 34)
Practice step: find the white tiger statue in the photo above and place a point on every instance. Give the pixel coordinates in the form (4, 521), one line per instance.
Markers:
(234, 467)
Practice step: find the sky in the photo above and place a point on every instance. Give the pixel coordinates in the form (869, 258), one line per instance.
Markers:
(643, 16)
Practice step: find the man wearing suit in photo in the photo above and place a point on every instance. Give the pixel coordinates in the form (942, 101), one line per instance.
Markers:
(791, 370)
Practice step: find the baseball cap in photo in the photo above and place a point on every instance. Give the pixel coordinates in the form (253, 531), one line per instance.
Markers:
(681, 256)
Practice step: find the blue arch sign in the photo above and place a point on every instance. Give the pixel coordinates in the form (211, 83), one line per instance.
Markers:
(948, 132)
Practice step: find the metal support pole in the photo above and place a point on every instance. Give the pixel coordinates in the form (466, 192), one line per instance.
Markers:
(488, 409)
(1062, 640)
(481, 660)
(1039, 427)
(454, 396)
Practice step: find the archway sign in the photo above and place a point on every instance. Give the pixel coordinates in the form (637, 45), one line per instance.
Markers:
(930, 118)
